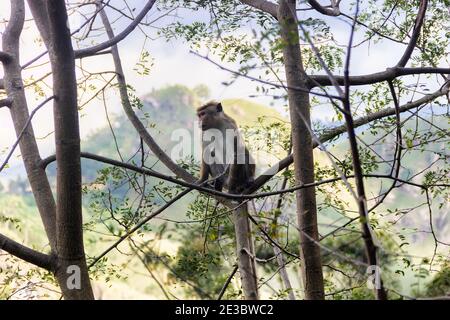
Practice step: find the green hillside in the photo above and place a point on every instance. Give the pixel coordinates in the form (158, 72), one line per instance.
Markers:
(246, 112)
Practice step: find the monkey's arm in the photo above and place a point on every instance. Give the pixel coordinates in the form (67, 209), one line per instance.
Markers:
(250, 166)
(235, 173)
(204, 172)
(242, 170)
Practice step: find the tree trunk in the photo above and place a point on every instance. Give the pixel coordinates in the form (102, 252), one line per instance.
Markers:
(245, 253)
(72, 273)
(299, 108)
(19, 113)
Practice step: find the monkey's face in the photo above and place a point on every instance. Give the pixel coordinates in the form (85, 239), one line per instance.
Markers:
(208, 118)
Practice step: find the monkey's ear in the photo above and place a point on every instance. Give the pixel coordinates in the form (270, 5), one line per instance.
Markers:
(219, 107)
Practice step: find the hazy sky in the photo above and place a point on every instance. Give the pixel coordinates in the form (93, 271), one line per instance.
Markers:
(172, 64)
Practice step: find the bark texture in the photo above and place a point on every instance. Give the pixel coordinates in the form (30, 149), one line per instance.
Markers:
(13, 84)
(302, 149)
(71, 272)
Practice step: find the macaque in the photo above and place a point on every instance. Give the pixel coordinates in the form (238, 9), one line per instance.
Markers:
(224, 155)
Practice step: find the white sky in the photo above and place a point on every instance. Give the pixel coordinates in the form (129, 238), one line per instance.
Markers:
(173, 64)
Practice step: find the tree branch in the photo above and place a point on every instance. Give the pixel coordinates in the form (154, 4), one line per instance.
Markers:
(38, 9)
(13, 85)
(332, 10)
(415, 35)
(368, 236)
(113, 41)
(263, 5)
(5, 57)
(227, 282)
(22, 132)
(388, 74)
(302, 150)
(27, 254)
(5, 102)
(69, 230)
(45, 162)
(373, 30)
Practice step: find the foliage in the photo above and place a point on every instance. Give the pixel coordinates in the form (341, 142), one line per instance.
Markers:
(440, 284)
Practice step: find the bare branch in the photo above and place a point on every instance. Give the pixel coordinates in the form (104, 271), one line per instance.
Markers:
(263, 5)
(25, 127)
(227, 283)
(27, 254)
(395, 169)
(116, 39)
(388, 74)
(332, 10)
(278, 253)
(136, 249)
(374, 31)
(415, 35)
(322, 62)
(44, 163)
(13, 85)
(367, 233)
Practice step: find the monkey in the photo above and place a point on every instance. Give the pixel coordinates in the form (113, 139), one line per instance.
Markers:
(224, 155)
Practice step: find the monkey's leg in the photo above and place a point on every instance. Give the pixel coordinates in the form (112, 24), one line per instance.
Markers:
(204, 172)
(233, 179)
(249, 169)
(234, 176)
(218, 183)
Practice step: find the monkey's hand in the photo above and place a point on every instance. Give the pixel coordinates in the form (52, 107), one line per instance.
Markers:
(205, 183)
(249, 182)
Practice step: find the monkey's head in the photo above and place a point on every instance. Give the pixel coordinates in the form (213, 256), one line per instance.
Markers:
(210, 115)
